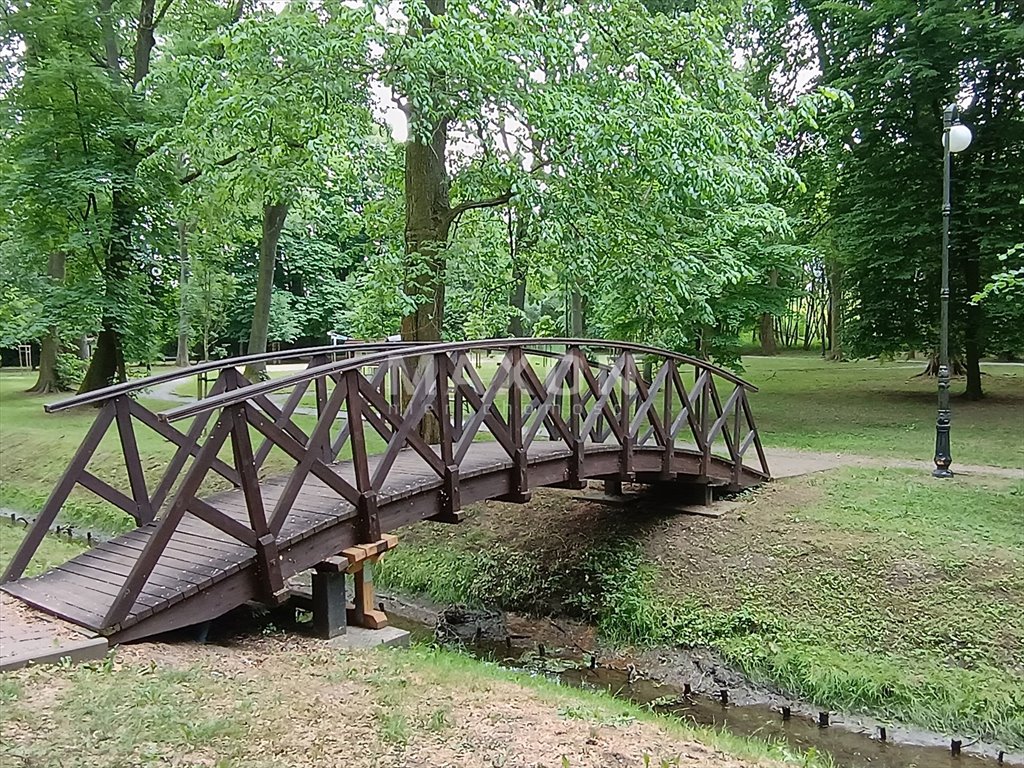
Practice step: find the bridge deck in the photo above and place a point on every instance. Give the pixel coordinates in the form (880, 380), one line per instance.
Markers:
(199, 555)
(499, 433)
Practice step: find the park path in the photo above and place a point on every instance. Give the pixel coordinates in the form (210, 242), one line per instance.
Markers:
(788, 462)
(166, 391)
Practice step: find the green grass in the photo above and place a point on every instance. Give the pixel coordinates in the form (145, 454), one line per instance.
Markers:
(889, 593)
(880, 409)
(125, 716)
(308, 706)
(53, 550)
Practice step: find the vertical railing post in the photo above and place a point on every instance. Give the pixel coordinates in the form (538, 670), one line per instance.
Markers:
(267, 558)
(320, 388)
(369, 519)
(451, 501)
(705, 427)
(737, 456)
(668, 420)
(626, 418)
(576, 469)
(520, 485)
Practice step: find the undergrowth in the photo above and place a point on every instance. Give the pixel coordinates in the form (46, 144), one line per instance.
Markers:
(613, 587)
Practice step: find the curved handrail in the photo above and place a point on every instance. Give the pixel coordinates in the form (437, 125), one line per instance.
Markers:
(242, 394)
(134, 385)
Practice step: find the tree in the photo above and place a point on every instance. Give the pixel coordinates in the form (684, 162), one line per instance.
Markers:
(902, 63)
(638, 177)
(278, 111)
(83, 116)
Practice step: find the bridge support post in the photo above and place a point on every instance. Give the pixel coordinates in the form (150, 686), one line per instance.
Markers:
(363, 612)
(613, 487)
(451, 500)
(329, 602)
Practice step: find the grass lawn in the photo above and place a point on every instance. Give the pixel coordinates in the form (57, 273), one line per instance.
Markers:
(880, 409)
(861, 590)
(875, 590)
(266, 703)
(53, 551)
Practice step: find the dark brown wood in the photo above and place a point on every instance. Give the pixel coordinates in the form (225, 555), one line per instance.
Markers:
(625, 420)
(313, 452)
(545, 394)
(188, 445)
(206, 555)
(405, 434)
(125, 599)
(298, 452)
(484, 411)
(282, 419)
(368, 520)
(132, 462)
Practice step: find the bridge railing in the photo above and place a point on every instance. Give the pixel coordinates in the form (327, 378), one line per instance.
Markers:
(119, 409)
(431, 402)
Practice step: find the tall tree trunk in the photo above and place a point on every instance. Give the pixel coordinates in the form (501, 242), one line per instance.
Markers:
(427, 224)
(181, 359)
(835, 309)
(49, 345)
(273, 222)
(767, 335)
(973, 346)
(517, 300)
(577, 321)
(767, 332)
(107, 363)
(517, 236)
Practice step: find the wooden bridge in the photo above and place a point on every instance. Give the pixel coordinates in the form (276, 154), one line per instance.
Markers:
(268, 479)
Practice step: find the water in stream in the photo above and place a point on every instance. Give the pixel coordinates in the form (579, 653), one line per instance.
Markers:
(852, 744)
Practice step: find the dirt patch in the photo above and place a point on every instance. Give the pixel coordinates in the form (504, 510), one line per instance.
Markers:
(311, 706)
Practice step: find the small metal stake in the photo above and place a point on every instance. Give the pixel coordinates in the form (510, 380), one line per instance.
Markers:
(882, 735)
(786, 713)
(725, 696)
(823, 719)
(954, 747)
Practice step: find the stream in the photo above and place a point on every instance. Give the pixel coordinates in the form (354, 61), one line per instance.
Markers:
(852, 742)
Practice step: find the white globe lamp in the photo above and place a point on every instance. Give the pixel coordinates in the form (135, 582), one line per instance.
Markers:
(958, 137)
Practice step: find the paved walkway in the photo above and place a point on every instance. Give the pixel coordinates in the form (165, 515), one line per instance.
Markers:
(31, 637)
(786, 462)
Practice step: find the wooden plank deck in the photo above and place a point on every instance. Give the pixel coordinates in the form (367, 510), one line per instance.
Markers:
(29, 637)
(200, 558)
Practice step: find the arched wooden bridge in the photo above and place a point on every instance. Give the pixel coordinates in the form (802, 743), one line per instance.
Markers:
(269, 479)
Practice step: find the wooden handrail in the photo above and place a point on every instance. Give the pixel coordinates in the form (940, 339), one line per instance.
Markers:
(134, 385)
(414, 350)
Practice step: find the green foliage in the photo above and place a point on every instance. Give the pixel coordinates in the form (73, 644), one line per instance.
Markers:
(837, 631)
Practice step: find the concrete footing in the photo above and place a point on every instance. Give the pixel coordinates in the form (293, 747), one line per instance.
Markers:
(357, 637)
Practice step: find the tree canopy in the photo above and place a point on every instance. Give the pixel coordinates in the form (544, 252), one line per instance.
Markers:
(213, 176)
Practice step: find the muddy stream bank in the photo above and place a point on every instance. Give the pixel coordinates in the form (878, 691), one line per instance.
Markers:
(692, 685)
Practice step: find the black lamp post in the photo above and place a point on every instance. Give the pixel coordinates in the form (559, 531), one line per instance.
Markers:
(956, 137)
